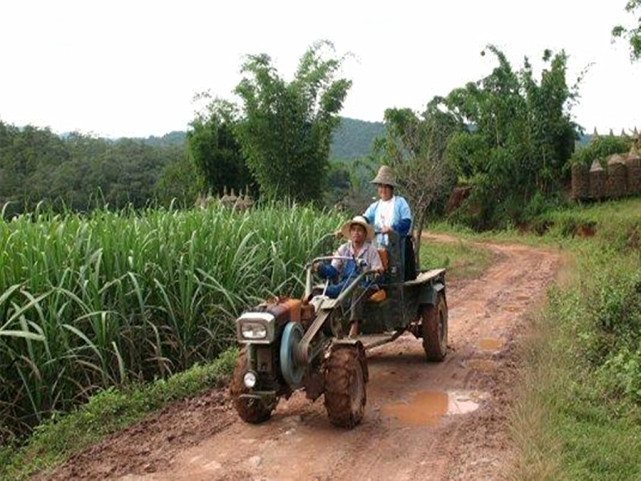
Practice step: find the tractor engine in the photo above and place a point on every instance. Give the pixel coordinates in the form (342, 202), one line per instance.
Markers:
(259, 329)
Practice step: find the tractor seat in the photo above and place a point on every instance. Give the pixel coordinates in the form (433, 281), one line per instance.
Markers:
(378, 296)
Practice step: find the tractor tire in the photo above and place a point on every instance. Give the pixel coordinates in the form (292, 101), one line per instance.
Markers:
(250, 410)
(434, 329)
(345, 394)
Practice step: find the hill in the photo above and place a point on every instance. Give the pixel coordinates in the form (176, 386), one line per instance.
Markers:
(353, 139)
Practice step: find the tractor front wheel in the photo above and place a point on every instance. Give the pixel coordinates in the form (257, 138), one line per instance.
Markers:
(345, 394)
(434, 329)
(251, 410)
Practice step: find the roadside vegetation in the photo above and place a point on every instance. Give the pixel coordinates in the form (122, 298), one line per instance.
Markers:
(462, 259)
(577, 413)
(107, 411)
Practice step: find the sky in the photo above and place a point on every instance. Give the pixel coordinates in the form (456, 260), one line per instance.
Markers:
(132, 68)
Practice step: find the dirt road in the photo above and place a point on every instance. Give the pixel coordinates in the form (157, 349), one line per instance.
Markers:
(443, 421)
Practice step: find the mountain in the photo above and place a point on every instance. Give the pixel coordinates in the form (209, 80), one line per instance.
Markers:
(352, 139)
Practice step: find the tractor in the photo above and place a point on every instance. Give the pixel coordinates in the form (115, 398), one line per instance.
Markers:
(292, 344)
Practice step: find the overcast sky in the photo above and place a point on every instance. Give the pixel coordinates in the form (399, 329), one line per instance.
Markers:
(131, 68)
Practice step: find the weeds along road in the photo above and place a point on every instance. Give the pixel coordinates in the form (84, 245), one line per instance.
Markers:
(440, 421)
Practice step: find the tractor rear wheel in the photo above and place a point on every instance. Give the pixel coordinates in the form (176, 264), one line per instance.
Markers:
(249, 409)
(345, 394)
(434, 329)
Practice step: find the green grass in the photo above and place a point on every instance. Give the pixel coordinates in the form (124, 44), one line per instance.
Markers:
(462, 259)
(111, 299)
(577, 414)
(110, 410)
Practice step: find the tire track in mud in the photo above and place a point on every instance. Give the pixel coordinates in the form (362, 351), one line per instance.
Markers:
(397, 438)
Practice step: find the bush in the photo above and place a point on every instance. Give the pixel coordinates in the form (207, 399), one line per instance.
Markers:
(599, 148)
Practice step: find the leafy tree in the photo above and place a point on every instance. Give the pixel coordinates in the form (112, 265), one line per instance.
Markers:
(414, 147)
(7, 181)
(599, 148)
(28, 156)
(517, 139)
(215, 151)
(132, 169)
(73, 182)
(287, 127)
(178, 182)
(633, 33)
(338, 183)
(77, 171)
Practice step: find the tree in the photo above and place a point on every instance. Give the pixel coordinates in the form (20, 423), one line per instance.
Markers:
(633, 33)
(77, 171)
(414, 147)
(599, 148)
(215, 150)
(178, 183)
(287, 128)
(28, 156)
(518, 136)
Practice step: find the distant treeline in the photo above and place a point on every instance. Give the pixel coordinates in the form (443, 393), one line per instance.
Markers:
(77, 172)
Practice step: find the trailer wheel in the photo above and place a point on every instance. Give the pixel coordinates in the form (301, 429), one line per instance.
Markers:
(434, 329)
(345, 394)
(250, 410)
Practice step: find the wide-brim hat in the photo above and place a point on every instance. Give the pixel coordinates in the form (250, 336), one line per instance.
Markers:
(385, 176)
(359, 220)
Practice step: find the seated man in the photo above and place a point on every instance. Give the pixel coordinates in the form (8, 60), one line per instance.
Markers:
(359, 248)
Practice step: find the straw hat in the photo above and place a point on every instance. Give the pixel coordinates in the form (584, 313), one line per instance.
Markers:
(359, 220)
(385, 176)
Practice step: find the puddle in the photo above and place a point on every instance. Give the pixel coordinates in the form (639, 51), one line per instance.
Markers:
(490, 344)
(481, 364)
(426, 408)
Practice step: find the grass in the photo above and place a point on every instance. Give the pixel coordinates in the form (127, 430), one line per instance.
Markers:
(108, 411)
(112, 299)
(462, 259)
(577, 411)
(565, 426)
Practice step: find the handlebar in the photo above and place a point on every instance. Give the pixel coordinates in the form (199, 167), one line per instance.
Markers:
(328, 258)
(362, 263)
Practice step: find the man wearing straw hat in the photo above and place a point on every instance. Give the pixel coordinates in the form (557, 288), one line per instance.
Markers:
(358, 250)
(392, 213)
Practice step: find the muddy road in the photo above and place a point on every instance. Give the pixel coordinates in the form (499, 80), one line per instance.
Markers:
(440, 421)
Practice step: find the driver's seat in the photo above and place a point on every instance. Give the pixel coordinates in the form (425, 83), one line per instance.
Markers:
(380, 295)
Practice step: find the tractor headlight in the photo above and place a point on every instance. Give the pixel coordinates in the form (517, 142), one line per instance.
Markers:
(255, 327)
(249, 379)
(253, 331)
